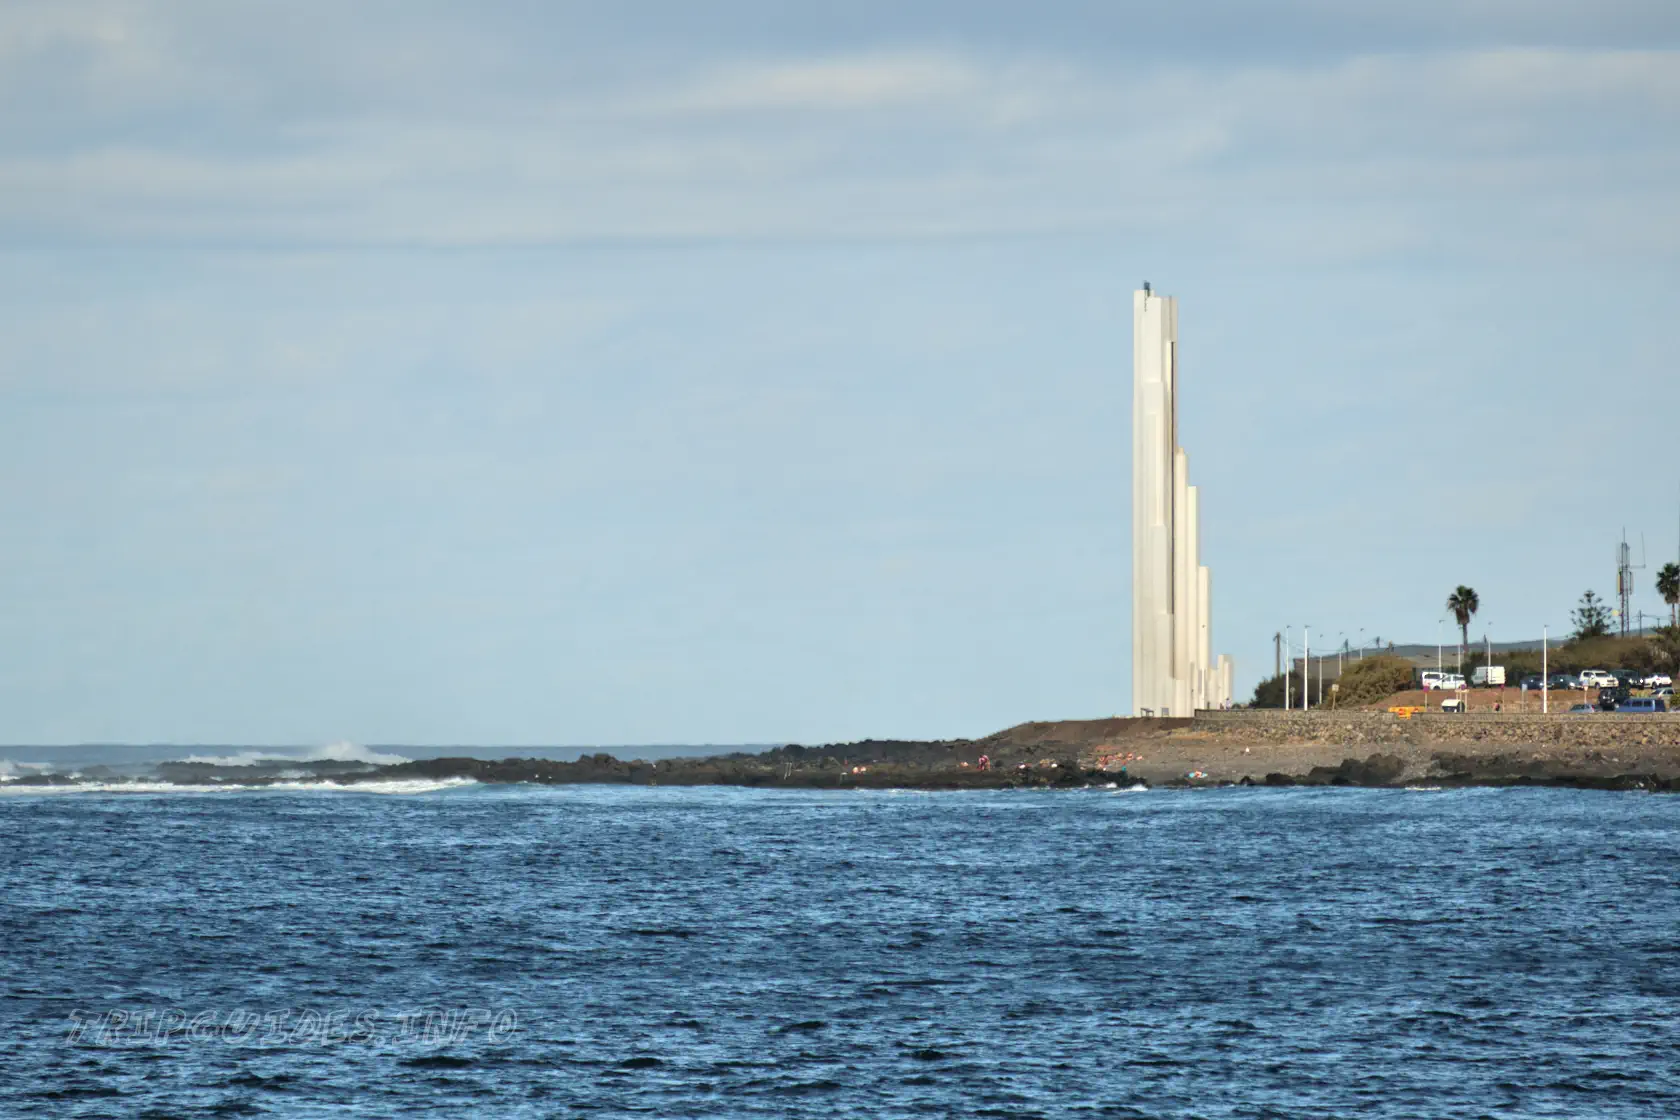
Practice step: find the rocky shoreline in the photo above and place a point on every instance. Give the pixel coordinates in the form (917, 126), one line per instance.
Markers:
(1076, 754)
(774, 771)
(1377, 751)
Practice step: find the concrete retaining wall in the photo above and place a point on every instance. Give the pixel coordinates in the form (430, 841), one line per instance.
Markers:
(1360, 728)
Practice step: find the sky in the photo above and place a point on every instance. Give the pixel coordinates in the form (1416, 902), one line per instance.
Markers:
(746, 372)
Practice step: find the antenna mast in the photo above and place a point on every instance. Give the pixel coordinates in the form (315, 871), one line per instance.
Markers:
(1624, 575)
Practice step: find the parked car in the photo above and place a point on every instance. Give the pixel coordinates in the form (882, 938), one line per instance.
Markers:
(1665, 691)
(1612, 698)
(1532, 682)
(1435, 680)
(1565, 681)
(1646, 705)
(1629, 678)
(1598, 678)
(1658, 680)
(1581, 710)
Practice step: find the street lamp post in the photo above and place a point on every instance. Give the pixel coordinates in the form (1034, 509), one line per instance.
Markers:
(1440, 662)
(1545, 676)
(1306, 665)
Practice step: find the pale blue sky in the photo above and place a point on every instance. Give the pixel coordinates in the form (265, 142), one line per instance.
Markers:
(416, 372)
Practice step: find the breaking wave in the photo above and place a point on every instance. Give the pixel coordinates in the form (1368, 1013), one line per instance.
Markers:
(11, 771)
(333, 752)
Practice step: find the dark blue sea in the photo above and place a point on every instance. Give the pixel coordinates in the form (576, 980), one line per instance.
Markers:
(607, 951)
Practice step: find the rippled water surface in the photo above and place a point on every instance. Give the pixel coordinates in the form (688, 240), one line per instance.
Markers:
(603, 951)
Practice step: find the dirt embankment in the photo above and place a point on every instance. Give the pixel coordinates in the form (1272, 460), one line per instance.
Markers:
(1197, 759)
(1610, 751)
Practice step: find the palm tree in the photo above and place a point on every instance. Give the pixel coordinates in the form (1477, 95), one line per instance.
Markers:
(1668, 586)
(1463, 604)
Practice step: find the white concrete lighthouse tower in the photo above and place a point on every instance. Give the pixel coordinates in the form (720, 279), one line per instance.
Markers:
(1171, 622)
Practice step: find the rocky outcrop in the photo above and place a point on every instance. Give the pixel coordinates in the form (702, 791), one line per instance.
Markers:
(1376, 770)
(867, 765)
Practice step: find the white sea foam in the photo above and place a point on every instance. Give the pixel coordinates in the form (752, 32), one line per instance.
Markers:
(418, 785)
(115, 787)
(407, 785)
(333, 752)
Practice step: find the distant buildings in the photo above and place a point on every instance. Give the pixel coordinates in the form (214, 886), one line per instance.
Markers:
(1172, 670)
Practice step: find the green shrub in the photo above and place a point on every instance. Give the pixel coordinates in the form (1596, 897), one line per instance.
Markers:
(1373, 678)
(1269, 693)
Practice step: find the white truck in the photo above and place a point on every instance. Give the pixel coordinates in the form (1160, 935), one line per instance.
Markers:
(1488, 676)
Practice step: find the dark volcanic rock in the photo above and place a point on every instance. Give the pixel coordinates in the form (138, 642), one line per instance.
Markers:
(1377, 770)
(869, 765)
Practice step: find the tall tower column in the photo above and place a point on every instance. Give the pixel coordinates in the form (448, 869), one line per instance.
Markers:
(1152, 500)
(1172, 619)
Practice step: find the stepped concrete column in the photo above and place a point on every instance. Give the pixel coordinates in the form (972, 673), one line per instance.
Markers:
(1173, 671)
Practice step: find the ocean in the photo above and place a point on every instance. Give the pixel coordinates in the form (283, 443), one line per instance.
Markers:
(512, 951)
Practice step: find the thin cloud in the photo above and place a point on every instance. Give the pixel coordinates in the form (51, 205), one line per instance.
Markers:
(158, 136)
(868, 82)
